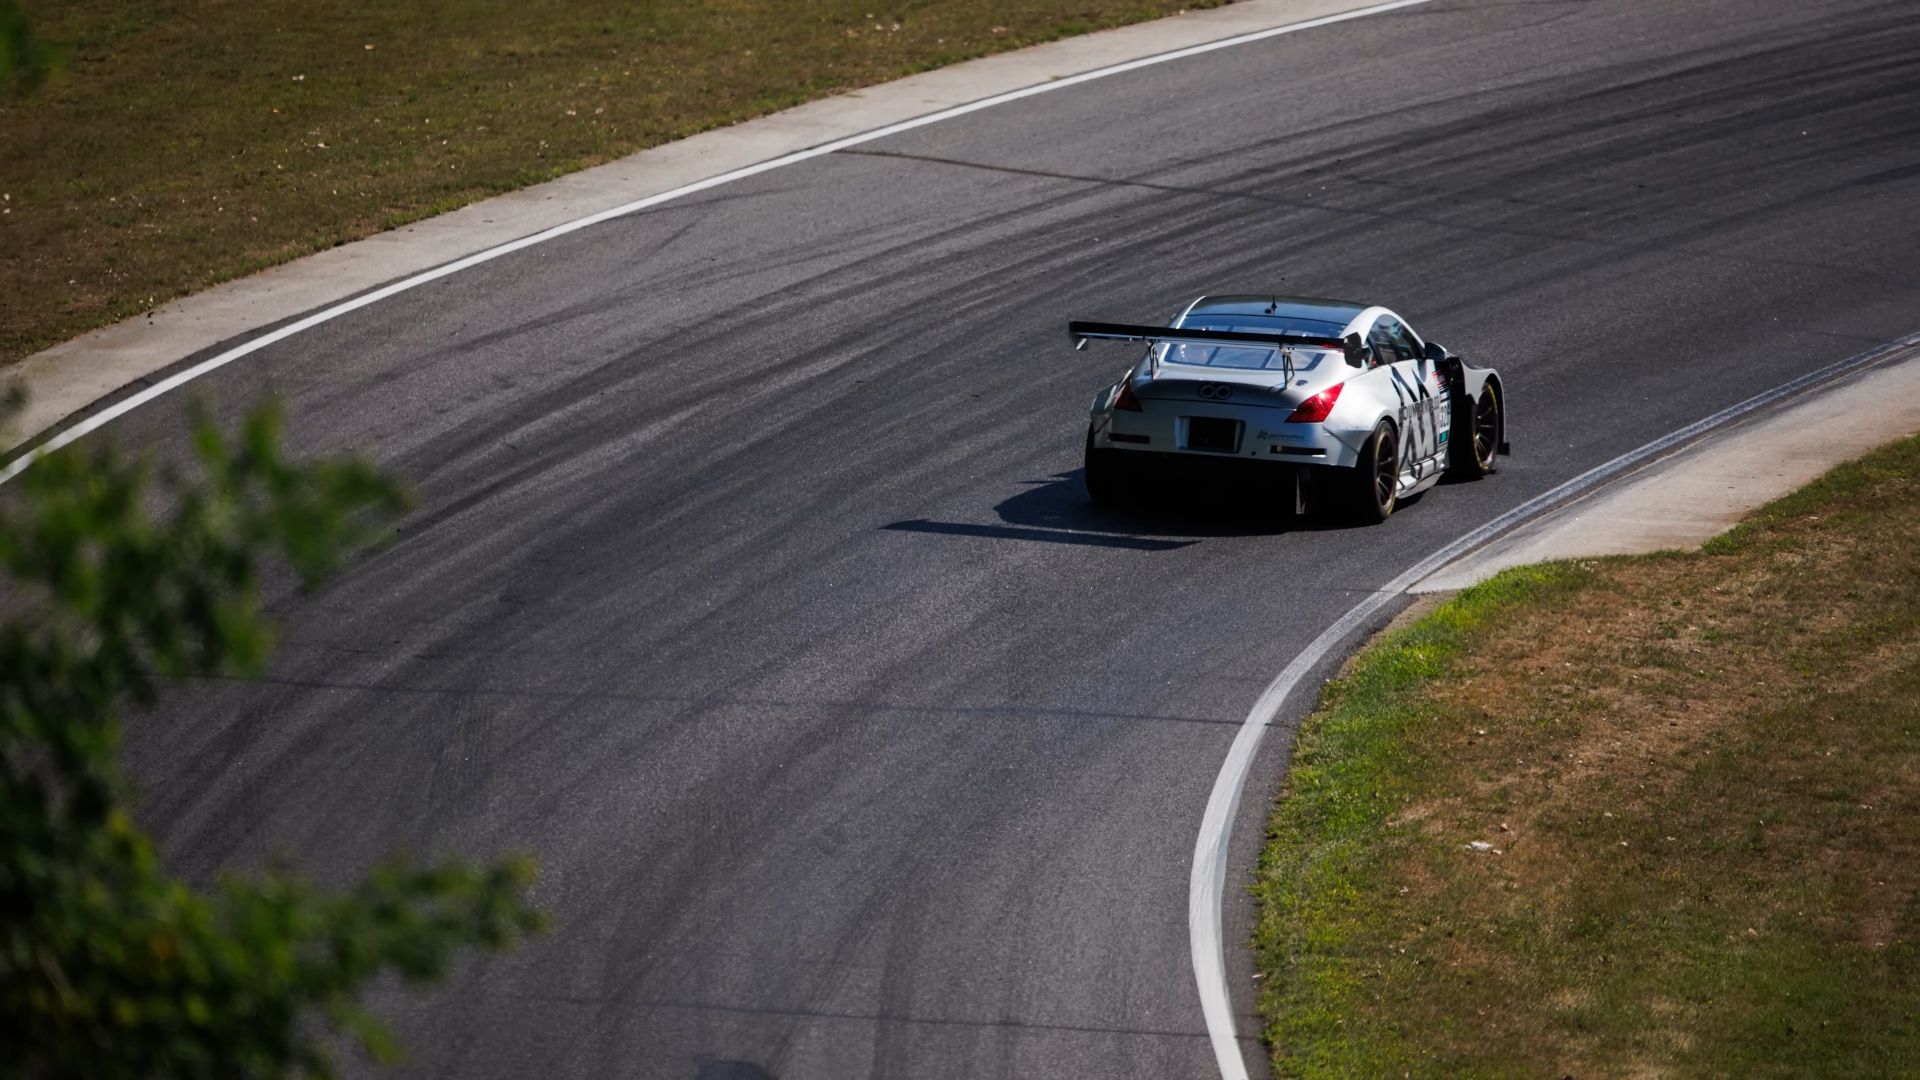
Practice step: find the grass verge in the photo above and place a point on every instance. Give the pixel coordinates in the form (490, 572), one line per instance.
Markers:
(187, 142)
(1647, 816)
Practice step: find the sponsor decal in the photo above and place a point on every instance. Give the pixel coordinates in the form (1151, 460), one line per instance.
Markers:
(1281, 436)
(1215, 391)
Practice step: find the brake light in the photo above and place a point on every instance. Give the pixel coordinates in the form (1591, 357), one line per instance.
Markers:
(1314, 410)
(1125, 399)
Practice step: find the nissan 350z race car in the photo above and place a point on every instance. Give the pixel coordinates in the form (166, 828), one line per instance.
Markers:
(1325, 401)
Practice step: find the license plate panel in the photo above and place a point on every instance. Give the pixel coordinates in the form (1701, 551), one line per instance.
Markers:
(1213, 434)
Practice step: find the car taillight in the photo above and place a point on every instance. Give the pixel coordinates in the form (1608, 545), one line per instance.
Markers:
(1314, 410)
(1125, 399)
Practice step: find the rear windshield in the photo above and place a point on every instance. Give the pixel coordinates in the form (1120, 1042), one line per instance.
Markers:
(1297, 358)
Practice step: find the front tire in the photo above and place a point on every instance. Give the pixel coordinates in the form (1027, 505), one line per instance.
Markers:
(1373, 484)
(1480, 422)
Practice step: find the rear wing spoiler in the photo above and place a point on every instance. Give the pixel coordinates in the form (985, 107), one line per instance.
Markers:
(1082, 332)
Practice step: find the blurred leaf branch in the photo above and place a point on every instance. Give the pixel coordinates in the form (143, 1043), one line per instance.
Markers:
(110, 967)
(25, 60)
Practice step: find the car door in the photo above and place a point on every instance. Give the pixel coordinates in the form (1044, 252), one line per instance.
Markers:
(1419, 411)
(1433, 382)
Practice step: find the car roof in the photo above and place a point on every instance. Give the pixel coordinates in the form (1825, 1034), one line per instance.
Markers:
(1299, 307)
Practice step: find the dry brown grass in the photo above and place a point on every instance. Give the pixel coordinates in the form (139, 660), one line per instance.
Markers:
(1701, 776)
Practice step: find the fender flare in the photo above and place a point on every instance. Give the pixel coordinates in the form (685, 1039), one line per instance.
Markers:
(1466, 382)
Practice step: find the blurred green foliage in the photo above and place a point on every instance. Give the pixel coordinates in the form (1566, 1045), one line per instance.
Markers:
(25, 60)
(109, 967)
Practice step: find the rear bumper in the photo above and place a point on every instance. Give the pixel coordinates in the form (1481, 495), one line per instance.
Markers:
(1259, 436)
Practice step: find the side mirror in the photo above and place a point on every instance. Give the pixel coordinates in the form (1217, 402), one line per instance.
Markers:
(1435, 352)
(1356, 352)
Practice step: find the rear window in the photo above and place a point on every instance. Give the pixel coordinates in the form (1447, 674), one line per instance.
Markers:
(1296, 358)
(1303, 358)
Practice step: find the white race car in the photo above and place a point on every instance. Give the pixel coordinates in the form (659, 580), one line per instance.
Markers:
(1326, 401)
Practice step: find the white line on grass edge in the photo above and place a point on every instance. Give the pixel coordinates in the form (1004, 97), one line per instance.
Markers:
(1206, 888)
(187, 375)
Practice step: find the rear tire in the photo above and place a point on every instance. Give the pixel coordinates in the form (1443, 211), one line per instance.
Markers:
(1108, 479)
(1373, 484)
(1480, 422)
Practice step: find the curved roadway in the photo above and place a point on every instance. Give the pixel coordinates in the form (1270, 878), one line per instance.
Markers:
(753, 587)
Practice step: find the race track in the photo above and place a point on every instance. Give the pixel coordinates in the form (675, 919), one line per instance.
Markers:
(753, 588)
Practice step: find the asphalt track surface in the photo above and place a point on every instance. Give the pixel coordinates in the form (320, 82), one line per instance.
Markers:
(753, 587)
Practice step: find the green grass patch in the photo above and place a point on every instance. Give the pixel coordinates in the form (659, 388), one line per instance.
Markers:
(187, 142)
(1646, 815)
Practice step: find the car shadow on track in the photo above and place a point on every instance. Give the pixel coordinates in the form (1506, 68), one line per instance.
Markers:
(1056, 510)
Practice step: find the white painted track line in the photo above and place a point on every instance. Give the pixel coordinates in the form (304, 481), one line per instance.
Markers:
(1206, 888)
(1208, 876)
